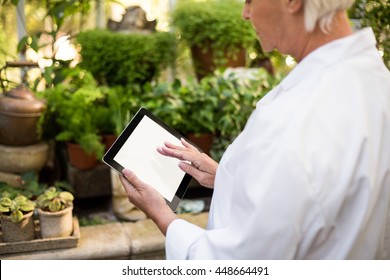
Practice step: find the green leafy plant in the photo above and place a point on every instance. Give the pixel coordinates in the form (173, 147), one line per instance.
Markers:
(162, 100)
(198, 107)
(59, 14)
(54, 200)
(119, 105)
(375, 13)
(16, 208)
(123, 59)
(71, 111)
(29, 186)
(215, 25)
(237, 97)
(219, 104)
(186, 106)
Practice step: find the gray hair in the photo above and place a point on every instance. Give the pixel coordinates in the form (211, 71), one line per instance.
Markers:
(322, 12)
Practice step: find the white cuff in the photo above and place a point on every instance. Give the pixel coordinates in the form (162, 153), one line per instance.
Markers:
(179, 238)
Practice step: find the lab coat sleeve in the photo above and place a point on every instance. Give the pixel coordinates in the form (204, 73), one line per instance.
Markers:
(180, 236)
(264, 221)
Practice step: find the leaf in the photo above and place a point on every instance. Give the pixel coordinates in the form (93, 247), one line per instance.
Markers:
(20, 199)
(5, 201)
(28, 206)
(16, 216)
(48, 75)
(67, 196)
(55, 205)
(22, 44)
(34, 43)
(3, 209)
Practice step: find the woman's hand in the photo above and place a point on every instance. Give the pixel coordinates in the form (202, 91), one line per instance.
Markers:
(148, 200)
(199, 165)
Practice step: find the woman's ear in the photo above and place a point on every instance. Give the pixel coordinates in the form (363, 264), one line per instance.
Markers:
(294, 6)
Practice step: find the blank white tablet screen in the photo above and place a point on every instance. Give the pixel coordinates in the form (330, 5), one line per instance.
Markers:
(139, 154)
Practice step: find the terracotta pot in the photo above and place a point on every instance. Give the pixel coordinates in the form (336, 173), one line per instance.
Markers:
(56, 224)
(202, 141)
(108, 140)
(204, 64)
(79, 158)
(15, 232)
(23, 158)
(19, 114)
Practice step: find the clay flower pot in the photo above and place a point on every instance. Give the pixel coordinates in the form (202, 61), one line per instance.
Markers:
(79, 158)
(108, 140)
(202, 141)
(56, 224)
(204, 64)
(15, 232)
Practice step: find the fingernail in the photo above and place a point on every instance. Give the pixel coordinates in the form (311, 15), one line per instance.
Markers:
(182, 165)
(126, 172)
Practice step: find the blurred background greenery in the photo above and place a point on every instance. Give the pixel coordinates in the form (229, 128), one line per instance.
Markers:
(155, 69)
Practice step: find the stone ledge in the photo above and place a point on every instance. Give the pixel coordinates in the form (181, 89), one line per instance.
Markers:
(119, 240)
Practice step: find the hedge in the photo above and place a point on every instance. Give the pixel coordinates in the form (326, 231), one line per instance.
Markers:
(126, 58)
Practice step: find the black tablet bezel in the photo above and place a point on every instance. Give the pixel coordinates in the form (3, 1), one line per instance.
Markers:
(108, 158)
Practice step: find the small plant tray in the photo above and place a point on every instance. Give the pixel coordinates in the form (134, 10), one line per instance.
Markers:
(39, 243)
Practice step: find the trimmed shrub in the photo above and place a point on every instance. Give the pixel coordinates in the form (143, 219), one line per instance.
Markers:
(124, 58)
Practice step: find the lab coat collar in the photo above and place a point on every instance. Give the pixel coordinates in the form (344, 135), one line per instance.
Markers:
(329, 54)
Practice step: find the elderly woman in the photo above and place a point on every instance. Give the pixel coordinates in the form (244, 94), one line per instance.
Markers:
(309, 176)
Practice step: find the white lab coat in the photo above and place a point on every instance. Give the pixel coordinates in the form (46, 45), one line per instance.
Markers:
(309, 177)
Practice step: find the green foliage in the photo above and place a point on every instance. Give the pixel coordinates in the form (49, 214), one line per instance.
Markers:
(9, 191)
(93, 220)
(119, 105)
(13, 2)
(219, 104)
(3, 51)
(161, 99)
(58, 13)
(237, 98)
(30, 186)
(123, 59)
(375, 13)
(218, 22)
(72, 107)
(53, 200)
(16, 208)
(199, 107)
(184, 106)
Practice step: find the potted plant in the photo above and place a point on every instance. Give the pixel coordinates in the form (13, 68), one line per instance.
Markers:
(238, 95)
(71, 106)
(186, 106)
(199, 105)
(114, 113)
(17, 221)
(215, 32)
(162, 99)
(55, 211)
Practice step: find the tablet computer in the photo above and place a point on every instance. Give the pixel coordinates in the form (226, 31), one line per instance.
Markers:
(136, 149)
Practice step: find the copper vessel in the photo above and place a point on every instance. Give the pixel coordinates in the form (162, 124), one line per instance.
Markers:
(19, 114)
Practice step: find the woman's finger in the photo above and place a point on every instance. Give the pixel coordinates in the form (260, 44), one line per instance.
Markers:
(190, 169)
(132, 178)
(186, 155)
(188, 145)
(173, 146)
